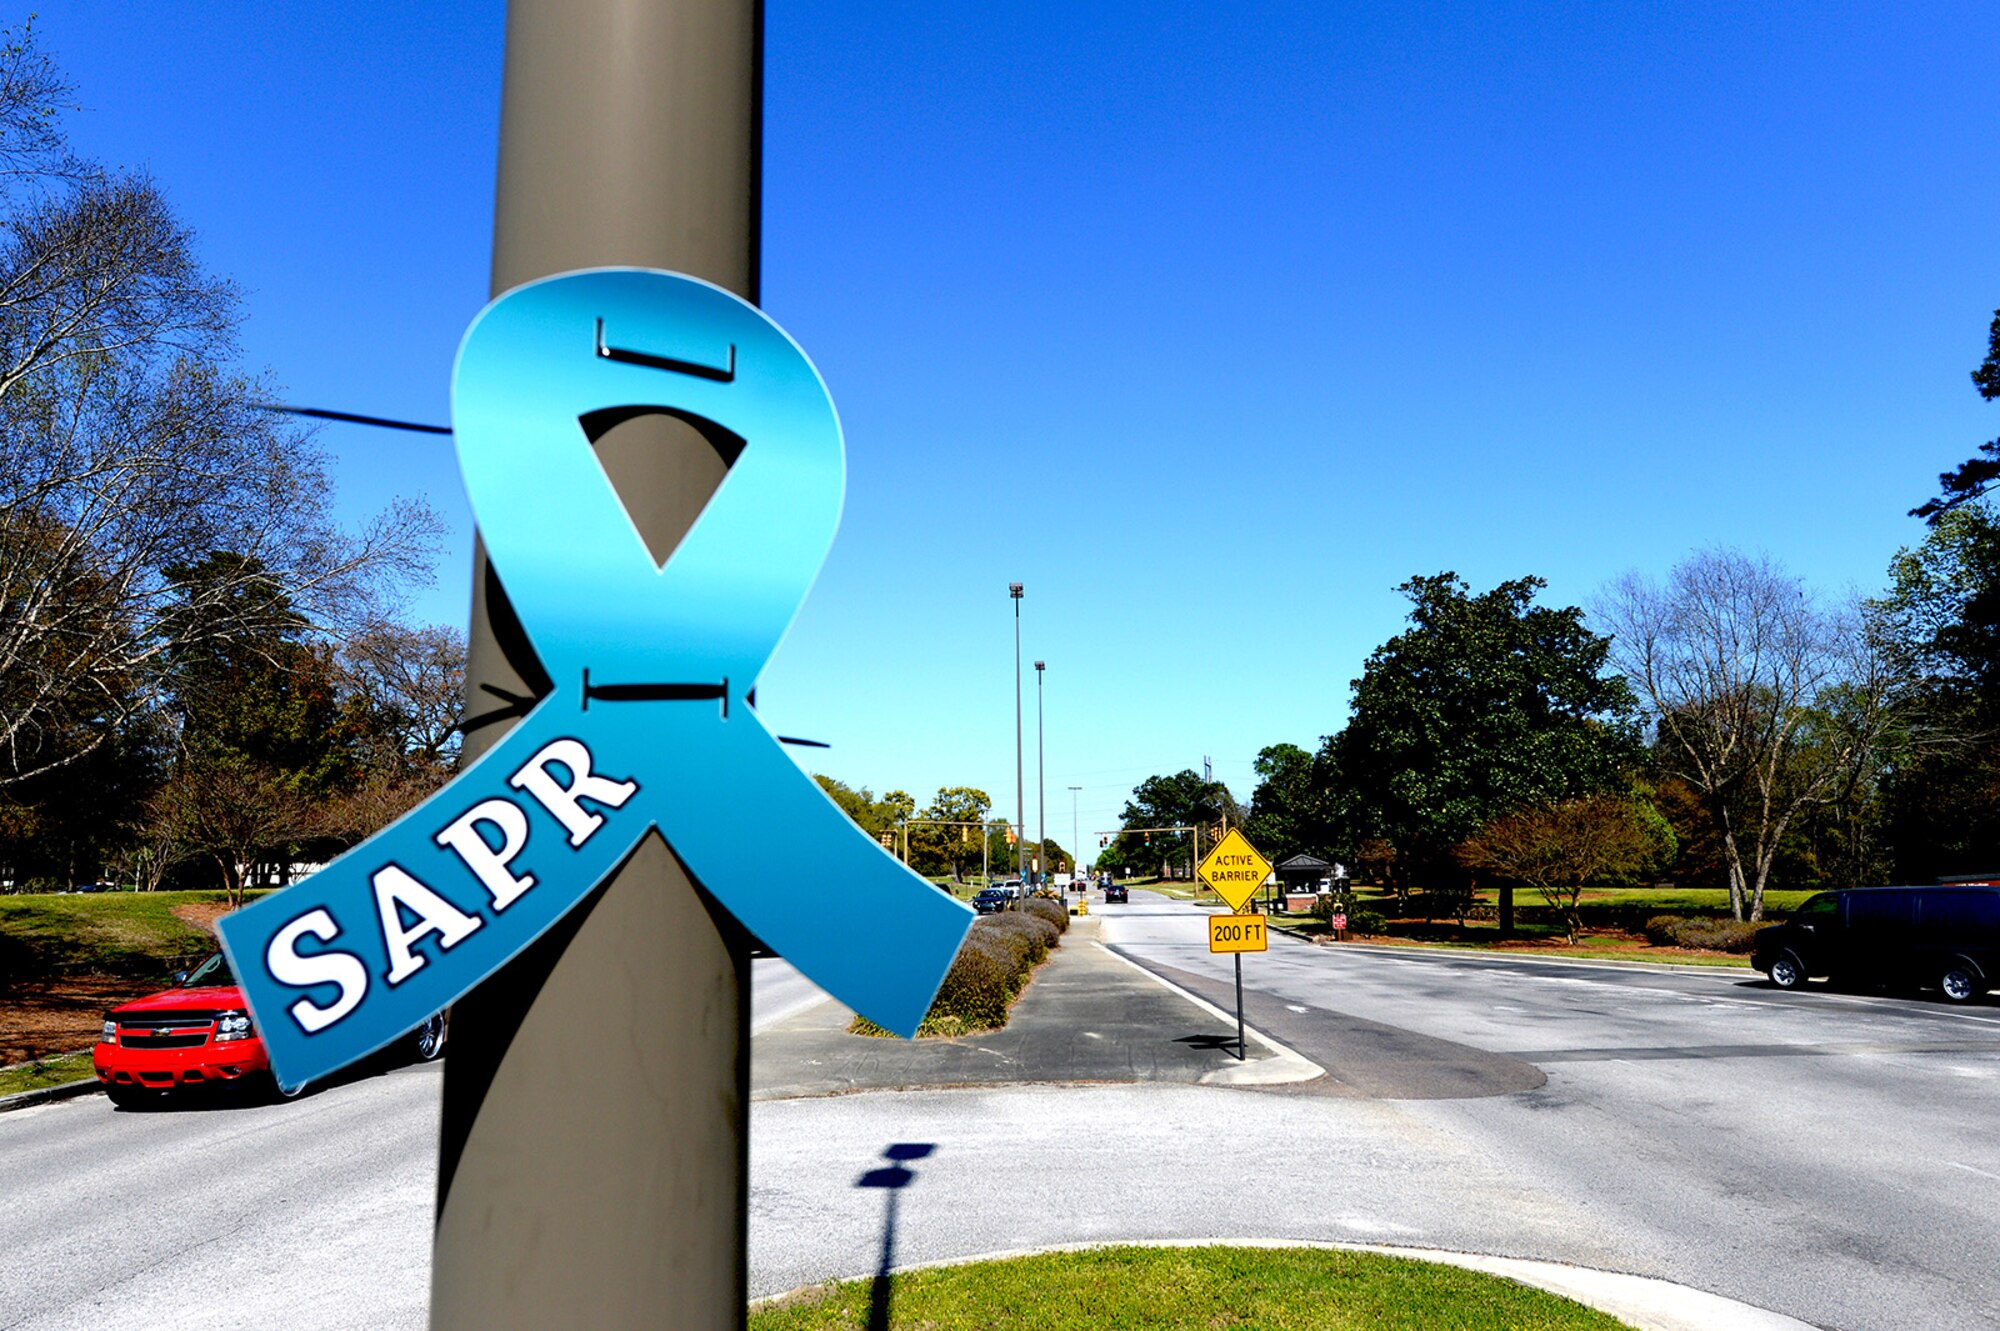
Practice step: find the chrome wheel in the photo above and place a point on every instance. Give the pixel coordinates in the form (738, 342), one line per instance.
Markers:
(1786, 972)
(427, 1041)
(1958, 984)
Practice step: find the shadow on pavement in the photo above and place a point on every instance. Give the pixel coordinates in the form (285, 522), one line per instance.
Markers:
(892, 1179)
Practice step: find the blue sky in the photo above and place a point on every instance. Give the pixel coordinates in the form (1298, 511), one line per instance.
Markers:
(1210, 324)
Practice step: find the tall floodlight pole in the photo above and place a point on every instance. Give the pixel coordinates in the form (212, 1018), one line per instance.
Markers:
(1020, 777)
(1041, 784)
(592, 1160)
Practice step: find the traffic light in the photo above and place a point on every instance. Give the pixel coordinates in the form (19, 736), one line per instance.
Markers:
(1010, 836)
(965, 834)
(1103, 841)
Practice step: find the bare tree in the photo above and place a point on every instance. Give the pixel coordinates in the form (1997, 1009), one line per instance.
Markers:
(129, 448)
(409, 683)
(1764, 700)
(232, 812)
(1556, 848)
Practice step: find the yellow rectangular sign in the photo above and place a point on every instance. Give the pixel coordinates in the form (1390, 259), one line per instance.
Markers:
(1237, 933)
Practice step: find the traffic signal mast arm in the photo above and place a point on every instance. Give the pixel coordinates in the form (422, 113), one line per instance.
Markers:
(1104, 839)
(906, 824)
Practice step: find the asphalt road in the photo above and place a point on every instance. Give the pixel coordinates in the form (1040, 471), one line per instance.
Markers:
(313, 1214)
(1830, 1156)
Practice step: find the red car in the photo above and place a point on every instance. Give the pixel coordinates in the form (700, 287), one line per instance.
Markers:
(199, 1033)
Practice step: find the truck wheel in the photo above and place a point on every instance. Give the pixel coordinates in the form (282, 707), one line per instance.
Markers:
(1786, 972)
(1960, 983)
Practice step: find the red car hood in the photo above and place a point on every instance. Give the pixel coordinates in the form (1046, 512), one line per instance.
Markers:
(186, 1000)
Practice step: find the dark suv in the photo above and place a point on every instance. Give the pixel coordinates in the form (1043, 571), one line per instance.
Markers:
(1946, 936)
(1115, 892)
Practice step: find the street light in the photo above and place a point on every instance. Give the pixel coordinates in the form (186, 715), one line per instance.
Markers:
(1041, 784)
(1020, 778)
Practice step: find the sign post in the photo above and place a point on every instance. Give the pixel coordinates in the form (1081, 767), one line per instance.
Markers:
(1233, 871)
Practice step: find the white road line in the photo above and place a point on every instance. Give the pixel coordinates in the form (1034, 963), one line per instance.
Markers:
(1970, 1170)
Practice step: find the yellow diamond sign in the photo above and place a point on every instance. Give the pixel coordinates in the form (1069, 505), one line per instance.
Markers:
(1234, 870)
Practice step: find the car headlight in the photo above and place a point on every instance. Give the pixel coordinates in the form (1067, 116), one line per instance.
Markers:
(110, 1035)
(232, 1026)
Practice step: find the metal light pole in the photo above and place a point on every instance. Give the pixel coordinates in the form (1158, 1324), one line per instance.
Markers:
(1075, 839)
(592, 1164)
(1041, 784)
(1020, 778)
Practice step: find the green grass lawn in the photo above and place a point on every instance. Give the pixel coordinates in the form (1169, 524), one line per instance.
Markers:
(53, 1071)
(111, 933)
(1171, 1289)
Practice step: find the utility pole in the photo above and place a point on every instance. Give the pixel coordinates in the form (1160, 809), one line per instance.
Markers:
(1075, 838)
(1041, 783)
(592, 1160)
(1020, 780)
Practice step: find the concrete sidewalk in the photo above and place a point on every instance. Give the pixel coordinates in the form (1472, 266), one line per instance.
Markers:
(1087, 1016)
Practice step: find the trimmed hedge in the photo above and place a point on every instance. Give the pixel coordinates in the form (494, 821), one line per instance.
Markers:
(1367, 922)
(992, 966)
(1704, 932)
(1045, 908)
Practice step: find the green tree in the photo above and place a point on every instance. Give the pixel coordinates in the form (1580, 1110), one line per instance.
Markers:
(1288, 813)
(1978, 474)
(1485, 704)
(1183, 799)
(1939, 801)
(1557, 847)
(269, 756)
(882, 819)
(945, 849)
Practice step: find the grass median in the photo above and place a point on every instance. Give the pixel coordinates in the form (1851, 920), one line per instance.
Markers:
(65, 958)
(1197, 1288)
(56, 1070)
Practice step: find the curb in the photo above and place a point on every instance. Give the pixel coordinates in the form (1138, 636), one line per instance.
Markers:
(1643, 1302)
(1446, 949)
(69, 1090)
(1597, 963)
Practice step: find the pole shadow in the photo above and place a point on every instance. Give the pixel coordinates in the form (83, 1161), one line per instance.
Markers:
(892, 1178)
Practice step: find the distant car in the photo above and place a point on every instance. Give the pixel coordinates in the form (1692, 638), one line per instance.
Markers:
(199, 1033)
(92, 887)
(1115, 892)
(987, 900)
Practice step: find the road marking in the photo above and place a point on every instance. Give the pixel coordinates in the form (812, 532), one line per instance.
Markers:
(1970, 1170)
(1296, 1008)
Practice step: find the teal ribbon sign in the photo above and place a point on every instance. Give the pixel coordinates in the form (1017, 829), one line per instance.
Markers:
(649, 722)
